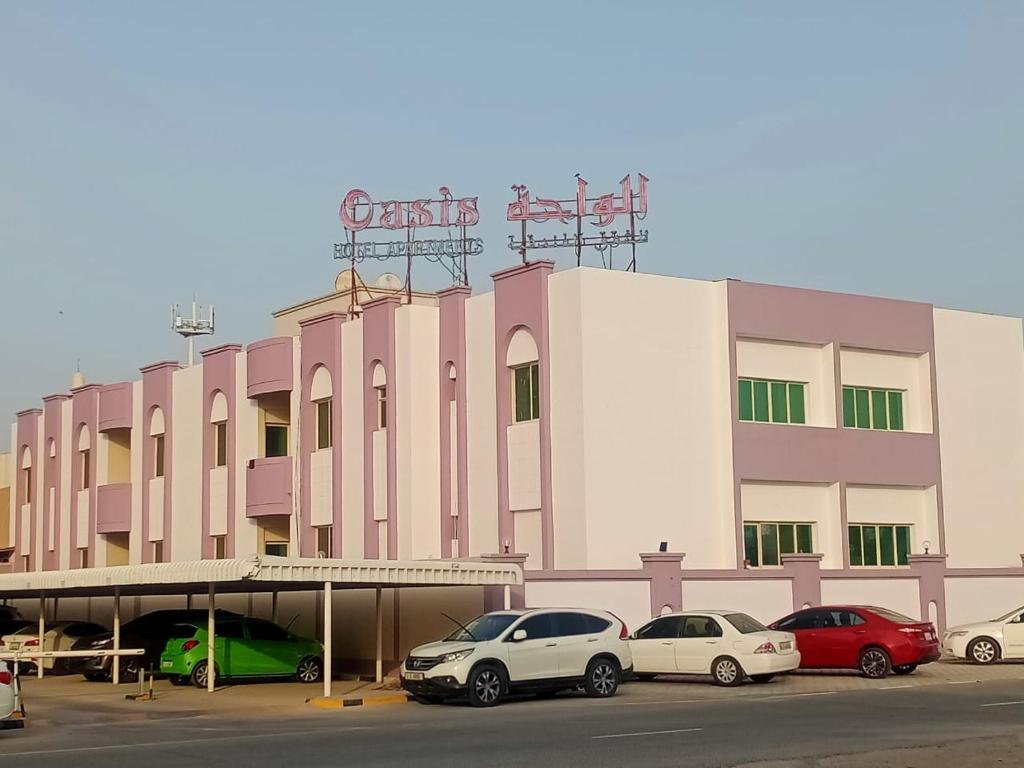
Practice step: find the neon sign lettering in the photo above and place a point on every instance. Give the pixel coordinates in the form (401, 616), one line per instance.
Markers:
(358, 210)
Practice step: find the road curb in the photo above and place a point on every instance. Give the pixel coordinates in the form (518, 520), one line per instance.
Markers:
(339, 702)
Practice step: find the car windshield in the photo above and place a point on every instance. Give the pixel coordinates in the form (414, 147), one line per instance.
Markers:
(1010, 615)
(898, 618)
(745, 624)
(486, 627)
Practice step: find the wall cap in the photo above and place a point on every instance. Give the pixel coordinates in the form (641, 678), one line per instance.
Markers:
(160, 365)
(30, 412)
(86, 388)
(382, 301)
(530, 266)
(273, 341)
(57, 397)
(662, 557)
(236, 348)
(454, 290)
(322, 318)
(925, 559)
(517, 558)
(802, 557)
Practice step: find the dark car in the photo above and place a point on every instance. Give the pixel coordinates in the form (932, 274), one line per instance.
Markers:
(11, 621)
(149, 631)
(876, 641)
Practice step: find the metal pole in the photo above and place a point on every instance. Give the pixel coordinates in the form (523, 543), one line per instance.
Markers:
(273, 607)
(211, 668)
(328, 636)
(380, 636)
(188, 601)
(42, 635)
(508, 597)
(115, 674)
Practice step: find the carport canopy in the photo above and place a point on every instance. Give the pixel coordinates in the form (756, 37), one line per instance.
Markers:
(255, 574)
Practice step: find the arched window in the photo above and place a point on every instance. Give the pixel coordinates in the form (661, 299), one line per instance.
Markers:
(84, 455)
(380, 387)
(26, 475)
(156, 434)
(522, 358)
(321, 392)
(219, 425)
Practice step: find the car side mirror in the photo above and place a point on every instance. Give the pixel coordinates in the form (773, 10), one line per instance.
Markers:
(518, 636)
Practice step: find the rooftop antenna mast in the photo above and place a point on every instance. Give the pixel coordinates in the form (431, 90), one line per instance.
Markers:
(201, 323)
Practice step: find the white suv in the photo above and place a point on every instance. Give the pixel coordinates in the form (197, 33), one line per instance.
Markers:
(541, 651)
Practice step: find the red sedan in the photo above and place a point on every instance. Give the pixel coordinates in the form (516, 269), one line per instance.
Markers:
(876, 641)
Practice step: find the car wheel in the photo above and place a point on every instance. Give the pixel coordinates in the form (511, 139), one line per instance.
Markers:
(904, 669)
(602, 678)
(726, 671)
(486, 686)
(983, 650)
(762, 678)
(95, 677)
(130, 671)
(309, 670)
(874, 663)
(198, 676)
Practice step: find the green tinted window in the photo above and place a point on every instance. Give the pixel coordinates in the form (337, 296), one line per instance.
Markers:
(878, 418)
(787, 544)
(856, 547)
(896, 410)
(796, 403)
(849, 408)
(523, 402)
(870, 536)
(804, 543)
(887, 545)
(760, 401)
(780, 409)
(902, 544)
(535, 390)
(770, 543)
(750, 545)
(863, 408)
(746, 400)
(276, 440)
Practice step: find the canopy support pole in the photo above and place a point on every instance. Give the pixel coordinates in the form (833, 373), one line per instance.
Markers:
(379, 676)
(211, 667)
(508, 597)
(115, 669)
(42, 635)
(328, 636)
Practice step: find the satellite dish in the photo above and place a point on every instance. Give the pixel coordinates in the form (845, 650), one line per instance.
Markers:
(389, 281)
(344, 281)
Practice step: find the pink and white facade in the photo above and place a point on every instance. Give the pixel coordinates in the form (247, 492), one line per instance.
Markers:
(571, 421)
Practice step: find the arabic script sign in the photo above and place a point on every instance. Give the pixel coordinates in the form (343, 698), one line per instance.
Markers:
(600, 211)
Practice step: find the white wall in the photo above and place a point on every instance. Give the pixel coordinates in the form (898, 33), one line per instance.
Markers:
(352, 481)
(528, 532)
(886, 504)
(187, 427)
(765, 600)
(657, 458)
(890, 370)
(321, 487)
(981, 599)
(523, 466)
(900, 595)
(481, 420)
(629, 600)
(809, 363)
(799, 503)
(980, 381)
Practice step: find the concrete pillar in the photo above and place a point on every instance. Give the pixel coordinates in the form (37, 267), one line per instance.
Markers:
(805, 568)
(115, 663)
(931, 586)
(211, 639)
(328, 636)
(494, 597)
(42, 635)
(666, 583)
(379, 675)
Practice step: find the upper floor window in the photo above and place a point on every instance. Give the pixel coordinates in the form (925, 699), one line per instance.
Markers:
(85, 470)
(873, 545)
(780, 402)
(866, 408)
(765, 543)
(324, 421)
(526, 392)
(382, 407)
(26, 478)
(276, 440)
(221, 441)
(158, 453)
(324, 546)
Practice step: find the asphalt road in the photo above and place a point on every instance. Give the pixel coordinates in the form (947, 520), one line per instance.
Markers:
(566, 731)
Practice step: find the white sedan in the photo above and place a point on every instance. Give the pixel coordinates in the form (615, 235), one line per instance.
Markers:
(6, 698)
(727, 645)
(60, 636)
(987, 641)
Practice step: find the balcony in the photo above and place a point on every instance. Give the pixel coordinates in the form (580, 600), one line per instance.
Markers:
(115, 406)
(114, 508)
(268, 487)
(269, 366)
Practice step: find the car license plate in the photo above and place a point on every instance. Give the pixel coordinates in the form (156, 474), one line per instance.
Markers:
(785, 645)
(166, 663)
(413, 675)
(15, 646)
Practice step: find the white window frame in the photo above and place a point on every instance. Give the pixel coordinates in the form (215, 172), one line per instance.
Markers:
(760, 544)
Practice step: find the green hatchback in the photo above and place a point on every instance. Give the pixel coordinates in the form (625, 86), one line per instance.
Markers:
(243, 647)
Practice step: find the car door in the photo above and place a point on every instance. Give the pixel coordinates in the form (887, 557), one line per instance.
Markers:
(578, 635)
(536, 657)
(269, 649)
(845, 635)
(700, 643)
(805, 625)
(654, 645)
(1013, 638)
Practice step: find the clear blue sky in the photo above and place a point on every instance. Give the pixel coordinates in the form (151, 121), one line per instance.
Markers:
(150, 149)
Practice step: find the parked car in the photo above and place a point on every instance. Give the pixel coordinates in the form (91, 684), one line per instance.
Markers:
(7, 698)
(59, 636)
(10, 620)
(876, 641)
(985, 642)
(149, 632)
(242, 647)
(727, 645)
(541, 651)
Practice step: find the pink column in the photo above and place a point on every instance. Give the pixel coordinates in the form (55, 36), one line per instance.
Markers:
(53, 423)
(665, 570)
(521, 301)
(379, 349)
(85, 411)
(27, 441)
(320, 345)
(219, 376)
(931, 585)
(157, 385)
(806, 571)
(452, 305)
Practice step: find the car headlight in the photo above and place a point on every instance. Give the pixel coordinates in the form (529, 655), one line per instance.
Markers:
(956, 634)
(456, 656)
